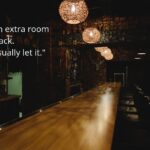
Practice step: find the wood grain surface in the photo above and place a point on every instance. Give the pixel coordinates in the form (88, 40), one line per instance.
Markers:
(84, 122)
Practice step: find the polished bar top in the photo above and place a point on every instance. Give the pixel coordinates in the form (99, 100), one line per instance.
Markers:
(84, 122)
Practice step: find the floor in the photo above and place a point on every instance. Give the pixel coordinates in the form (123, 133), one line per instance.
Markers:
(131, 133)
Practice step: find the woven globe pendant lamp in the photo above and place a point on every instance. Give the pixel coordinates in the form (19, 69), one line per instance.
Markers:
(73, 11)
(109, 57)
(105, 52)
(91, 35)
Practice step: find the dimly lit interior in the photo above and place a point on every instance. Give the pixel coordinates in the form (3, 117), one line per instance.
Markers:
(82, 90)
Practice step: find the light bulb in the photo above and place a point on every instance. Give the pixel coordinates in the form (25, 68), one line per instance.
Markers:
(73, 8)
(91, 34)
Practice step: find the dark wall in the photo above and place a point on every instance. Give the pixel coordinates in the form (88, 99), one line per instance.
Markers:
(139, 73)
(136, 72)
(93, 69)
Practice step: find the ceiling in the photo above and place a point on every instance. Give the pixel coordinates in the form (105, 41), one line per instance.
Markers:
(35, 12)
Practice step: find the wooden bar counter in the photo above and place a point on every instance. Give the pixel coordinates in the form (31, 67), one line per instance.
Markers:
(84, 122)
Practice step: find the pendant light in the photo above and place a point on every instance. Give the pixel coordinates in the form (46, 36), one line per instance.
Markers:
(91, 35)
(105, 52)
(109, 56)
(73, 11)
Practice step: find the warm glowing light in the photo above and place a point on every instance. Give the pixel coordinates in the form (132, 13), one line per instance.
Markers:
(73, 8)
(73, 11)
(109, 57)
(106, 52)
(91, 35)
